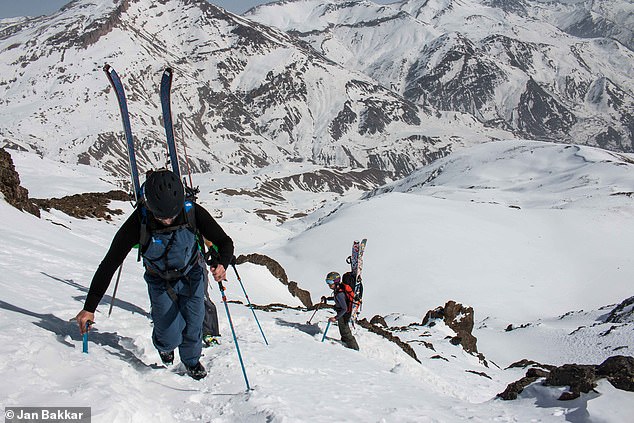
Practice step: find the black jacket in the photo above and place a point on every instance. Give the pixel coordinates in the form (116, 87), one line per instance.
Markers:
(128, 236)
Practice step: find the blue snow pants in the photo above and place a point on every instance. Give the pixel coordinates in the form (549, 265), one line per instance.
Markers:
(178, 323)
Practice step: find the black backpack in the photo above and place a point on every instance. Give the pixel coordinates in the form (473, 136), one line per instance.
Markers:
(146, 224)
(349, 279)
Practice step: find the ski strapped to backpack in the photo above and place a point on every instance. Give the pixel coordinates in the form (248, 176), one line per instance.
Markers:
(115, 81)
(353, 278)
(117, 86)
(189, 210)
(166, 87)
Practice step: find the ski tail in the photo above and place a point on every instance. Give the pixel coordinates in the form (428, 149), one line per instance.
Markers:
(166, 87)
(117, 85)
(115, 81)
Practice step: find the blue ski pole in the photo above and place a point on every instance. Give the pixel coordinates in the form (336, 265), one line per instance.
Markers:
(233, 332)
(233, 264)
(85, 337)
(326, 331)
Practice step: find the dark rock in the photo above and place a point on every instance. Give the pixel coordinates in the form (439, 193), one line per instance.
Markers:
(460, 320)
(273, 266)
(619, 370)
(378, 320)
(14, 194)
(301, 294)
(388, 335)
(511, 327)
(274, 307)
(541, 116)
(278, 271)
(87, 205)
(479, 373)
(568, 396)
(533, 372)
(579, 377)
(525, 363)
(623, 313)
(428, 345)
(515, 388)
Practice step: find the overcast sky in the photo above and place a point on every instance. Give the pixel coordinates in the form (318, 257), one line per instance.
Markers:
(12, 8)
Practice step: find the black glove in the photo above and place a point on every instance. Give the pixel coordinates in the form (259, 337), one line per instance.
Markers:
(324, 299)
(212, 258)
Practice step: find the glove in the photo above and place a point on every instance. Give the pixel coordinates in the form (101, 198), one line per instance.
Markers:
(212, 257)
(323, 300)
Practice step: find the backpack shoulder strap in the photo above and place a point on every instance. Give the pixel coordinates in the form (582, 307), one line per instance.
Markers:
(145, 233)
(190, 219)
(190, 214)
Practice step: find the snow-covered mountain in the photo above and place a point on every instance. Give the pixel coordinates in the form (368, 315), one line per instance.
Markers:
(244, 96)
(355, 84)
(591, 19)
(535, 237)
(557, 70)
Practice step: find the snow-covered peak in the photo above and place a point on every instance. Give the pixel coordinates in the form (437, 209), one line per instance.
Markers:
(515, 65)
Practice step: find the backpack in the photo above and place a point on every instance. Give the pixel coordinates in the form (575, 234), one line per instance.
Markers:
(349, 280)
(147, 226)
(347, 290)
(148, 229)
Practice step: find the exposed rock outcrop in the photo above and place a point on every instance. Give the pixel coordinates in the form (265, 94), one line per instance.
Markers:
(278, 271)
(460, 319)
(88, 205)
(618, 370)
(578, 377)
(388, 335)
(515, 388)
(10, 187)
(379, 321)
(622, 313)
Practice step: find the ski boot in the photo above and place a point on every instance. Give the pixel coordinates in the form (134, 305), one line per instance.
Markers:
(196, 372)
(167, 357)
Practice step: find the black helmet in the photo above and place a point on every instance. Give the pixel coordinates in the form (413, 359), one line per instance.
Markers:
(164, 194)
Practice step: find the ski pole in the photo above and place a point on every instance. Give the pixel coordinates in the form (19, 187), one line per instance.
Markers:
(85, 337)
(315, 312)
(233, 264)
(233, 332)
(114, 293)
(326, 331)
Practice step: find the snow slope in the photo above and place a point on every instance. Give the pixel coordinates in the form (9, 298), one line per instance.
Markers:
(523, 232)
